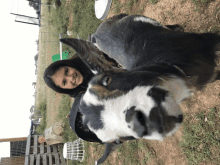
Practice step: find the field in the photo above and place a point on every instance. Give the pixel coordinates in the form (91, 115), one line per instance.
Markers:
(198, 140)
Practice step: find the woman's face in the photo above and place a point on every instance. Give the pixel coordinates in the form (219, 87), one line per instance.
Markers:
(67, 77)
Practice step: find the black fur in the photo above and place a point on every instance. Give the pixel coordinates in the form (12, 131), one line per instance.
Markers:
(157, 94)
(136, 44)
(92, 115)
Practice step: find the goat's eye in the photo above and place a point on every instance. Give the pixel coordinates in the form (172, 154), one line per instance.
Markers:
(106, 80)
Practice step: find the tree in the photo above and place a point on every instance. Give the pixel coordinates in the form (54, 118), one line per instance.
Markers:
(34, 84)
(36, 58)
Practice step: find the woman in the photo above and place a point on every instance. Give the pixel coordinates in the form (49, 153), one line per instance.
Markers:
(71, 77)
(68, 76)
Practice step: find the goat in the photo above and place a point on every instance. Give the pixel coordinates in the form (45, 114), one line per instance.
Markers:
(142, 101)
(116, 35)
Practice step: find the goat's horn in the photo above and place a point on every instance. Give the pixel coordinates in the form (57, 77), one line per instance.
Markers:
(90, 55)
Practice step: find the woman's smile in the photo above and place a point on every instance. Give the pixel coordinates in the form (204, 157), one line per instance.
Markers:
(67, 77)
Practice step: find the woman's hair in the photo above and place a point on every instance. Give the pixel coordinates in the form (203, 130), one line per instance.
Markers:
(74, 62)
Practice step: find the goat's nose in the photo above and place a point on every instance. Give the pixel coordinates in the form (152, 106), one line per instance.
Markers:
(137, 119)
(156, 119)
(129, 114)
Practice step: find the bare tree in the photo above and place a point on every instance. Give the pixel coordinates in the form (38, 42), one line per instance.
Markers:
(34, 84)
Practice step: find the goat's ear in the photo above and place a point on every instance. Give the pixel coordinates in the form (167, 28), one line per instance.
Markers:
(90, 55)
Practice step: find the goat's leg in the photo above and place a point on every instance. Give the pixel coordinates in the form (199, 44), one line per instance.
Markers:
(217, 53)
(217, 50)
(218, 76)
(109, 148)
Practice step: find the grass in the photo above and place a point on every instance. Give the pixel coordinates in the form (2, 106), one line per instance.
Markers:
(42, 107)
(129, 5)
(201, 140)
(201, 3)
(134, 7)
(117, 7)
(84, 20)
(214, 29)
(153, 1)
(64, 109)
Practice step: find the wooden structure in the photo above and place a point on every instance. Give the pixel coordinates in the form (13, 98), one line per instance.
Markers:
(18, 160)
(43, 154)
(17, 151)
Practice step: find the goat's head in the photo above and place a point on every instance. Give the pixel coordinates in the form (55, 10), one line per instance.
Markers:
(119, 104)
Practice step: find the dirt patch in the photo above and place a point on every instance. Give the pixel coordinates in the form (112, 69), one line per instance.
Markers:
(168, 152)
(184, 13)
(114, 158)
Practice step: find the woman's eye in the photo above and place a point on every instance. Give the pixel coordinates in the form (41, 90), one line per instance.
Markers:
(106, 80)
(66, 71)
(64, 82)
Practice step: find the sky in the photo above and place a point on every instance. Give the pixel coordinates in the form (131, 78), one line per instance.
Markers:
(18, 48)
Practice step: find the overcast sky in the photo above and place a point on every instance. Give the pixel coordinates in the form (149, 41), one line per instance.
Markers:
(18, 48)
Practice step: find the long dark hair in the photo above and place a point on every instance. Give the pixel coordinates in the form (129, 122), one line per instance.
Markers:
(74, 62)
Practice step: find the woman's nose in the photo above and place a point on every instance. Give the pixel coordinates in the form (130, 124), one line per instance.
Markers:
(69, 77)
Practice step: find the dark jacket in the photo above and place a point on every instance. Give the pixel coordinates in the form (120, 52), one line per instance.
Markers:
(75, 120)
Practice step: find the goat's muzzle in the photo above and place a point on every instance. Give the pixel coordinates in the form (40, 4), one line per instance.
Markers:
(156, 123)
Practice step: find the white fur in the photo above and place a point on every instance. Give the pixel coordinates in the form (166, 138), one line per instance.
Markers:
(94, 71)
(177, 87)
(148, 20)
(115, 124)
(90, 98)
(97, 45)
(114, 118)
(154, 136)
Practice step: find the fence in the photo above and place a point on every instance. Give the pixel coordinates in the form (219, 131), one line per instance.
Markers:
(43, 154)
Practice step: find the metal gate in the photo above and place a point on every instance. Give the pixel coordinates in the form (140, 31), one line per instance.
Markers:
(43, 154)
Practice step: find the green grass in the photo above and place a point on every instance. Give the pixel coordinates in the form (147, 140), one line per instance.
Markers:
(84, 20)
(64, 109)
(129, 5)
(201, 140)
(201, 3)
(117, 7)
(153, 1)
(215, 29)
(42, 107)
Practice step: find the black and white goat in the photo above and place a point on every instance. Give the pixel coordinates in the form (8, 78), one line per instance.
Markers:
(163, 68)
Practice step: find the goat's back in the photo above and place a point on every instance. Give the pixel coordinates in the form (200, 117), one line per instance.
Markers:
(120, 36)
(135, 41)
